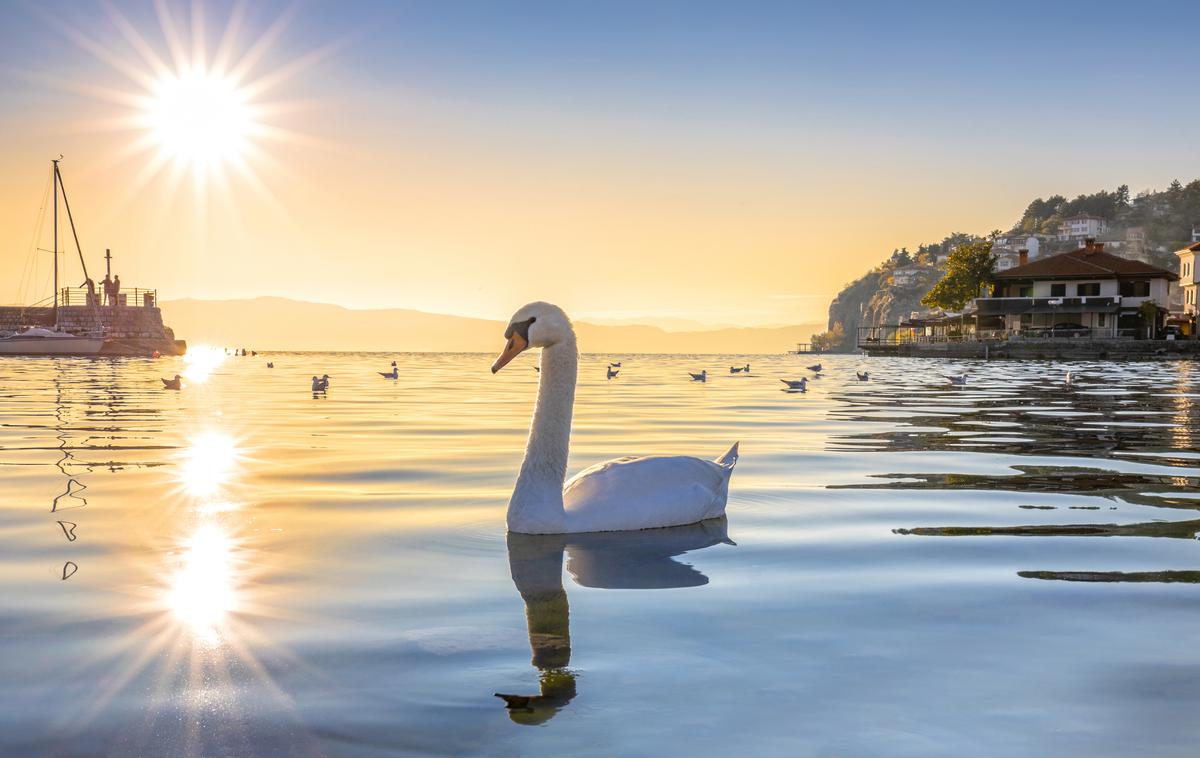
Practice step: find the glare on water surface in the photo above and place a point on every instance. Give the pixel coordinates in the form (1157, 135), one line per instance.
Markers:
(256, 570)
(202, 589)
(207, 463)
(199, 362)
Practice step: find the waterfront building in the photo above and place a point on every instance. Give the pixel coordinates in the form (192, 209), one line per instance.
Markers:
(1189, 277)
(1085, 292)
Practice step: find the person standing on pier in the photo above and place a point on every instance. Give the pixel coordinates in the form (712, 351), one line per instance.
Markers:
(116, 290)
(106, 286)
(92, 302)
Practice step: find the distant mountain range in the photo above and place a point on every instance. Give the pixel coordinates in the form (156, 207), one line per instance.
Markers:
(274, 323)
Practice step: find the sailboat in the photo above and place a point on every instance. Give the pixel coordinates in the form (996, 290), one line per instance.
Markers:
(42, 340)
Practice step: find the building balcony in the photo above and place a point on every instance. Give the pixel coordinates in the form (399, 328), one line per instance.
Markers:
(1015, 306)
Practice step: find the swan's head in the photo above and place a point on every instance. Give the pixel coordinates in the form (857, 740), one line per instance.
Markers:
(534, 325)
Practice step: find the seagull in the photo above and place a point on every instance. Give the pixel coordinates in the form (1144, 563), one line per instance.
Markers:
(815, 368)
(701, 377)
(612, 372)
(320, 385)
(393, 374)
(393, 364)
(537, 369)
(863, 376)
(958, 381)
(172, 384)
(747, 368)
(736, 369)
(796, 384)
(270, 364)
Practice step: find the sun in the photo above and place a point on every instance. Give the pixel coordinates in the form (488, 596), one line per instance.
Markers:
(198, 105)
(200, 117)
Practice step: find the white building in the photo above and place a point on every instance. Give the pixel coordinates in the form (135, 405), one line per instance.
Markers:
(906, 275)
(1189, 277)
(1086, 291)
(1018, 240)
(1081, 227)
(1195, 232)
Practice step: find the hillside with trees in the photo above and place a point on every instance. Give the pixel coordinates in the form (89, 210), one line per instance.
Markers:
(881, 297)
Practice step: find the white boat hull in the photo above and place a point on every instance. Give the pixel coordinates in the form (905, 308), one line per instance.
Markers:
(21, 345)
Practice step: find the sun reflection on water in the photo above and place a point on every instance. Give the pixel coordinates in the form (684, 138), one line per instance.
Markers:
(202, 592)
(208, 463)
(200, 361)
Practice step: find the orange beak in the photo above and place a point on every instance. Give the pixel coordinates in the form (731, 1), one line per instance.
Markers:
(516, 345)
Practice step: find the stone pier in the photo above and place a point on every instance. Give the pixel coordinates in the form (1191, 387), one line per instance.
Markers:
(129, 330)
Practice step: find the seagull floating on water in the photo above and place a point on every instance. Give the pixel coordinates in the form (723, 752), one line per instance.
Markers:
(958, 381)
(270, 364)
(701, 377)
(321, 384)
(173, 384)
(393, 374)
(393, 364)
(815, 368)
(863, 376)
(612, 372)
(796, 384)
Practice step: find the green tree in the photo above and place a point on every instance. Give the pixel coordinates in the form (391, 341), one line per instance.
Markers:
(968, 269)
(830, 340)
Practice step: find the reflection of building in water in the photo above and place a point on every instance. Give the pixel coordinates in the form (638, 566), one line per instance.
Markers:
(1185, 429)
(605, 560)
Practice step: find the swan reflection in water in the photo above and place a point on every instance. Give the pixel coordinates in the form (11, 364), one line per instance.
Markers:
(640, 560)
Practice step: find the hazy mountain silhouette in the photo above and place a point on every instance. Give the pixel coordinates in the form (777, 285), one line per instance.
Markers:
(282, 324)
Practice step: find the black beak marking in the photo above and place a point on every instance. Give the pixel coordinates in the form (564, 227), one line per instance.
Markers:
(521, 328)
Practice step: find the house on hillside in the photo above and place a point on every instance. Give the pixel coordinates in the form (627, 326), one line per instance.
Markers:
(1127, 243)
(1195, 232)
(1080, 227)
(906, 276)
(1011, 242)
(1006, 259)
(1085, 292)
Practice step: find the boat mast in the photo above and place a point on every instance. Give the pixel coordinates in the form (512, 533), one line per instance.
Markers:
(71, 220)
(55, 162)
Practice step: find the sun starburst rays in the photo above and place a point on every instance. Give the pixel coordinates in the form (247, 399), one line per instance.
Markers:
(194, 108)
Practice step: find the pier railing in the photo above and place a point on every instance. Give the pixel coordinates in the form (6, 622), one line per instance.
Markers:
(132, 297)
(872, 336)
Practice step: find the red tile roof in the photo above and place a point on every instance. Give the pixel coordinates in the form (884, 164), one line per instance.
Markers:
(1084, 264)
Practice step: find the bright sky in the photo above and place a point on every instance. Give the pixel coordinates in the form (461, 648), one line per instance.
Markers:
(722, 162)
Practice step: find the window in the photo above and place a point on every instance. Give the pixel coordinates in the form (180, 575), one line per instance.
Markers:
(1058, 290)
(1135, 288)
(1090, 289)
(1025, 291)
(1100, 319)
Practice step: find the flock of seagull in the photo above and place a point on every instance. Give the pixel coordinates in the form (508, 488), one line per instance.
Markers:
(320, 384)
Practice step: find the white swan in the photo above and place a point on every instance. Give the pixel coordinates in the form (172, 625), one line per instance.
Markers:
(618, 495)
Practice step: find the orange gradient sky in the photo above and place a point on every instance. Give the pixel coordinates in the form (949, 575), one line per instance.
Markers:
(678, 163)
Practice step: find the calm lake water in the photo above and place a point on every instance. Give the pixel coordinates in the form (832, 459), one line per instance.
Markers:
(238, 569)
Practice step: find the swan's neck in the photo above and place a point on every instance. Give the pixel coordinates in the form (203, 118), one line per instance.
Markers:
(536, 506)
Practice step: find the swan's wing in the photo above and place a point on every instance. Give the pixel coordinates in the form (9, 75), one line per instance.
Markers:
(645, 493)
